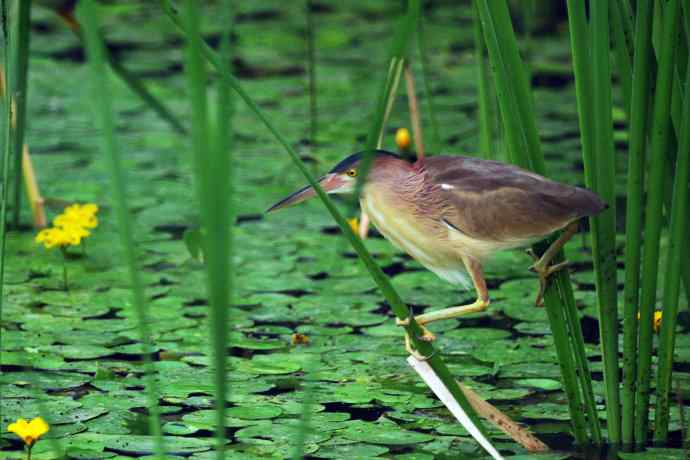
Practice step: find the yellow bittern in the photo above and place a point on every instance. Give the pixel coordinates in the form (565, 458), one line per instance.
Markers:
(450, 213)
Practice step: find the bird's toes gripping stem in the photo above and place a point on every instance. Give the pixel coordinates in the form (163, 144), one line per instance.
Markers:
(426, 336)
(544, 270)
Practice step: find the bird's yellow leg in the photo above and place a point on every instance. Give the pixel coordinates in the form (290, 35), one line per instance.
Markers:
(543, 266)
(475, 270)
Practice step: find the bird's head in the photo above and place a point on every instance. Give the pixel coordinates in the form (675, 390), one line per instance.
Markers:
(341, 179)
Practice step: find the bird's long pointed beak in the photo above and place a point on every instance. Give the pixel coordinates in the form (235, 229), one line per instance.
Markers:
(329, 183)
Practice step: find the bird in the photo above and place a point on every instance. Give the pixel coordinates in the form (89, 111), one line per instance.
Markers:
(451, 213)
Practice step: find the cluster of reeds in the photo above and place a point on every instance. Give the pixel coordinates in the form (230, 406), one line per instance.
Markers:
(652, 110)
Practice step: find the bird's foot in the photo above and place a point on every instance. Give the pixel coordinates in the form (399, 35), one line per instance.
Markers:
(427, 336)
(544, 270)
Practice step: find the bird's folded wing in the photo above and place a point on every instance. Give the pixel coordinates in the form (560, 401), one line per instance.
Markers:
(492, 201)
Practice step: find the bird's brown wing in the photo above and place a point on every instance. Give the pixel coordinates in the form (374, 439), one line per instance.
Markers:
(493, 201)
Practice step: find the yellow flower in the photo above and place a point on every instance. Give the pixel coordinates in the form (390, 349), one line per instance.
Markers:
(70, 227)
(31, 431)
(76, 214)
(402, 138)
(52, 237)
(354, 225)
(657, 320)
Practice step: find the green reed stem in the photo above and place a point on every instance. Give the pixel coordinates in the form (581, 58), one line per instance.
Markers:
(621, 50)
(103, 111)
(435, 143)
(515, 104)
(660, 135)
(311, 70)
(391, 295)
(18, 92)
(639, 108)
(678, 231)
(213, 172)
(486, 131)
(5, 145)
(604, 241)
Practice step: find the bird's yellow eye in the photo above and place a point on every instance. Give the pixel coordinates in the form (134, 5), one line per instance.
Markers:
(351, 172)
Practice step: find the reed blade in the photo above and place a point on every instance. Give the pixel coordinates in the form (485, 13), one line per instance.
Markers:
(653, 216)
(104, 115)
(671, 292)
(18, 90)
(639, 108)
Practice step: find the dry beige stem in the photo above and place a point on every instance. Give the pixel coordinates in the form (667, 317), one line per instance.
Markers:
(518, 433)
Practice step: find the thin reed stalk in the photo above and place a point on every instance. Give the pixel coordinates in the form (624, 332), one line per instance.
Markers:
(653, 215)
(487, 148)
(5, 145)
(103, 111)
(210, 149)
(621, 49)
(639, 108)
(311, 71)
(604, 241)
(414, 112)
(391, 295)
(18, 89)
(435, 143)
(515, 105)
(671, 293)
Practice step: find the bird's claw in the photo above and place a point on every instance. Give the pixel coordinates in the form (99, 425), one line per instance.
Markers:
(427, 336)
(544, 273)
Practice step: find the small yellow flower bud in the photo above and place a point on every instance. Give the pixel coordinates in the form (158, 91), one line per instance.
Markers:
(354, 225)
(402, 138)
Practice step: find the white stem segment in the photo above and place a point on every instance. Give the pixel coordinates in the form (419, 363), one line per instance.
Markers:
(441, 391)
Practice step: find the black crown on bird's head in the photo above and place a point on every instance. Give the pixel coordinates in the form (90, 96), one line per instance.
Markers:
(355, 158)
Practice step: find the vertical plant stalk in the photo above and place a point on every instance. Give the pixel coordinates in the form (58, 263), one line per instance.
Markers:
(639, 108)
(621, 50)
(32, 191)
(311, 69)
(212, 168)
(19, 87)
(678, 231)
(391, 295)
(5, 145)
(520, 129)
(414, 113)
(660, 135)
(486, 118)
(435, 143)
(604, 241)
(103, 112)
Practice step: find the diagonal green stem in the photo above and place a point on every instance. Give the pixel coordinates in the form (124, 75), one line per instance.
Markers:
(394, 300)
